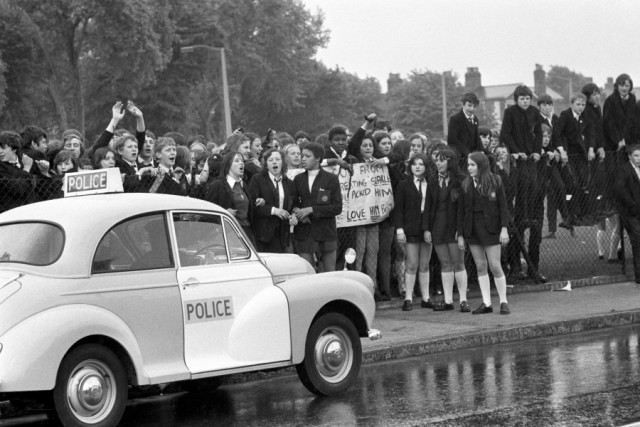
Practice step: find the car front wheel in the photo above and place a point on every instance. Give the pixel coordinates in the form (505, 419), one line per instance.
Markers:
(91, 387)
(333, 355)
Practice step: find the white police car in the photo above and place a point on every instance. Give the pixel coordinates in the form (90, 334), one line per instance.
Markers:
(105, 291)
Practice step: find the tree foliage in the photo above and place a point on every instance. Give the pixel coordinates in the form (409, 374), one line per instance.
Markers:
(416, 104)
(559, 78)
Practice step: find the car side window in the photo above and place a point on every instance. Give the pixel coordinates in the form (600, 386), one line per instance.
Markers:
(200, 239)
(140, 243)
(237, 248)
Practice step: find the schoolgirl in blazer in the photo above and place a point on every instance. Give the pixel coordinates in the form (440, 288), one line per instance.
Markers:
(483, 218)
(411, 209)
(271, 226)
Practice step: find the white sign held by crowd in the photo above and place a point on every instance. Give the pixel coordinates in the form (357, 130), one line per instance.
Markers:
(367, 197)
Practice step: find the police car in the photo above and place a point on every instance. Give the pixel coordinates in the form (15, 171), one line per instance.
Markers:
(102, 292)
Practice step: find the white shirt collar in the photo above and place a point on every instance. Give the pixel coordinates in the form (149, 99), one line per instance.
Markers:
(313, 172)
(231, 181)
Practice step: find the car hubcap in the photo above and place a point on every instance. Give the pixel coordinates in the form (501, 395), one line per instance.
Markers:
(91, 391)
(333, 355)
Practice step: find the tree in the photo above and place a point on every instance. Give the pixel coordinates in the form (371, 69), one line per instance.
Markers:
(416, 104)
(89, 52)
(559, 78)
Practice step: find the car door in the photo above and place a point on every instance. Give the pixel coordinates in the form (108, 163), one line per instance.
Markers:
(234, 316)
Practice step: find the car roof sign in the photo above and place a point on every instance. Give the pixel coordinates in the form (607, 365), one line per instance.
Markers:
(92, 182)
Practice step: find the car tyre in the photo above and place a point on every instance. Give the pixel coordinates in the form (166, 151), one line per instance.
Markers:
(333, 354)
(91, 387)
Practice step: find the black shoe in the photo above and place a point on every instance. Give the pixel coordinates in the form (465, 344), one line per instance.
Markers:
(426, 304)
(600, 256)
(483, 309)
(447, 307)
(538, 278)
(464, 307)
(438, 306)
(504, 308)
(613, 261)
(407, 305)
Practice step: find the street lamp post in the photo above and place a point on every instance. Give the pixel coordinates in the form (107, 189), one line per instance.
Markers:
(225, 84)
(445, 131)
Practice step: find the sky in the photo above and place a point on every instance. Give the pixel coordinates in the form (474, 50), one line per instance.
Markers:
(503, 38)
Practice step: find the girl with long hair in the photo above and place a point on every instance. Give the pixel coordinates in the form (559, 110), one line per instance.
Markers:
(442, 227)
(483, 219)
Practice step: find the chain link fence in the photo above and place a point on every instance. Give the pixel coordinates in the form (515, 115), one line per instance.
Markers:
(572, 217)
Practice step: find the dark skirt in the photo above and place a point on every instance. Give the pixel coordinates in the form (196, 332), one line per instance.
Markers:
(440, 233)
(479, 233)
(415, 239)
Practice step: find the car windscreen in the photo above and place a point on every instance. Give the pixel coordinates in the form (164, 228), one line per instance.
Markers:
(35, 243)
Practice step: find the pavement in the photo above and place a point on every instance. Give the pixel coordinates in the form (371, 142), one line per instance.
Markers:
(536, 311)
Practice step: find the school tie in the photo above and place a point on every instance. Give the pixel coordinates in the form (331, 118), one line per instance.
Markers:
(470, 119)
(441, 180)
(419, 183)
(277, 180)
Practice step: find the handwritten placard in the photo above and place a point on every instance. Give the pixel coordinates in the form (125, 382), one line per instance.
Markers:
(367, 197)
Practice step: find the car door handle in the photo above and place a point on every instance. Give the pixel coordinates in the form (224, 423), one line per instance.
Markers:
(191, 281)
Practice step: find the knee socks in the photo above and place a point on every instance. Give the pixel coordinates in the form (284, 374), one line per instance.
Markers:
(447, 284)
(501, 286)
(409, 282)
(485, 289)
(424, 285)
(600, 236)
(461, 281)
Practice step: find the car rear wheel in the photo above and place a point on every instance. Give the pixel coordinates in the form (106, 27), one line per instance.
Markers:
(333, 354)
(91, 387)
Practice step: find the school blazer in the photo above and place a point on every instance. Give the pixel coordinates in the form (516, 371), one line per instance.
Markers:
(463, 136)
(521, 130)
(326, 199)
(221, 194)
(618, 120)
(495, 210)
(406, 209)
(575, 137)
(453, 196)
(593, 113)
(627, 191)
(264, 224)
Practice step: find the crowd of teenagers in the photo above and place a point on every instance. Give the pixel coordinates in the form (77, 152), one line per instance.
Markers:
(468, 200)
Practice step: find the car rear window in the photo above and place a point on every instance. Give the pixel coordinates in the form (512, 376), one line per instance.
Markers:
(34, 243)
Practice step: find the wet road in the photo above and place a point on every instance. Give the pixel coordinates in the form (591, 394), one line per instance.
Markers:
(590, 379)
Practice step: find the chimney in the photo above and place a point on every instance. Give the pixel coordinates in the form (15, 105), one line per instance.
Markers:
(539, 81)
(608, 86)
(393, 81)
(472, 79)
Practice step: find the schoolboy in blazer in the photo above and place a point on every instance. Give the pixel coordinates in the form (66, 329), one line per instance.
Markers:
(618, 115)
(463, 127)
(574, 133)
